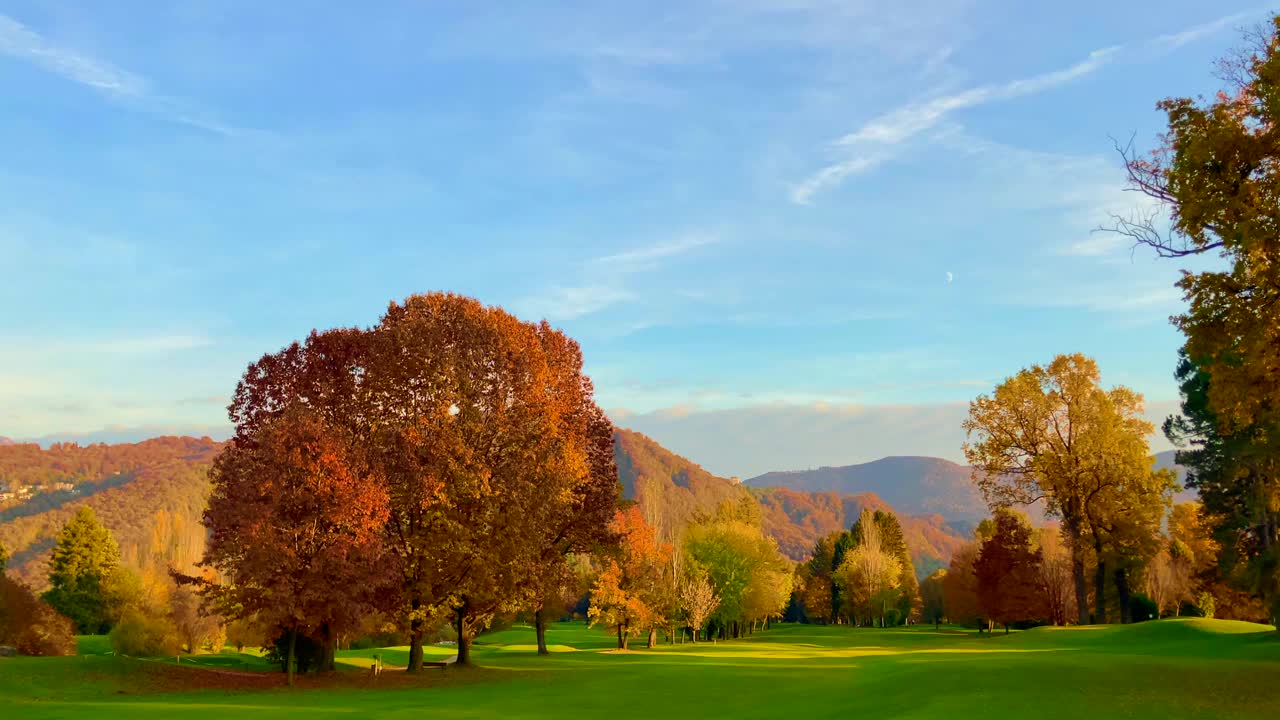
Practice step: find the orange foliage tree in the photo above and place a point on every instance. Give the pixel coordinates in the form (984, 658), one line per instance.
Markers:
(296, 525)
(622, 596)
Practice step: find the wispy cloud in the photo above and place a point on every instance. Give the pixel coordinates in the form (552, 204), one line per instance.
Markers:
(605, 278)
(1173, 41)
(567, 303)
(19, 41)
(871, 145)
(647, 257)
(22, 43)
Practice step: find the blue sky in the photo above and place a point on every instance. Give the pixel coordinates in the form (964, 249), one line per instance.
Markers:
(787, 233)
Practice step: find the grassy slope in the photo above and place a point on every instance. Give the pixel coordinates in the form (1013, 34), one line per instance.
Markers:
(1170, 669)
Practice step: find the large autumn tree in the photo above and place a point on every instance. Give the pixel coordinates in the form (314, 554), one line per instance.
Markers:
(484, 434)
(1216, 177)
(1052, 433)
(296, 523)
(499, 460)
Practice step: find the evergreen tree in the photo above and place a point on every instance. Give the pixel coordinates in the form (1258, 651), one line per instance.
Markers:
(85, 554)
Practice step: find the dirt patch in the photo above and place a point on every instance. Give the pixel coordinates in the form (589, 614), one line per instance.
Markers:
(145, 677)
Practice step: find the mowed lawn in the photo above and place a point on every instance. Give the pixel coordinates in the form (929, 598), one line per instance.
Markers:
(1187, 668)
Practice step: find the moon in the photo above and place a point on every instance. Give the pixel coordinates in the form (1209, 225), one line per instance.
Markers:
(950, 277)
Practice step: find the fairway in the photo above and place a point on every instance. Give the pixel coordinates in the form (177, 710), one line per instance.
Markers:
(1168, 669)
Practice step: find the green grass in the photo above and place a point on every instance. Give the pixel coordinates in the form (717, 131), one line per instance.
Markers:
(1189, 668)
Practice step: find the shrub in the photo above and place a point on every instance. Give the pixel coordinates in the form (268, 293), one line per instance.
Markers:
(1205, 604)
(145, 634)
(30, 624)
(1143, 608)
(307, 651)
(242, 633)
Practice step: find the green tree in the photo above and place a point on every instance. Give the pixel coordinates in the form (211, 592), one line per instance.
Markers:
(1235, 475)
(1216, 175)
(933, 597)
(83, 558)
(748, 575)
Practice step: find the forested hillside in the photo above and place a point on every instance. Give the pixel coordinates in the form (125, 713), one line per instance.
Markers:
(797, 519)
(671, 490)
(149, 494)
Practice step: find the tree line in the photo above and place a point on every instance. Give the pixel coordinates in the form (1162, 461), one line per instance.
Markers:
(863, 576)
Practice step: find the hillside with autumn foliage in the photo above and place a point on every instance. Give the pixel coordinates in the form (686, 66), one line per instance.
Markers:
(798, 519)
(671, 490)
(150, 495)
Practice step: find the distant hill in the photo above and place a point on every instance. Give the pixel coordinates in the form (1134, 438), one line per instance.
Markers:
(6, 441)
(913, 485)
(1166, 460)
(149, 494)
(670, 489)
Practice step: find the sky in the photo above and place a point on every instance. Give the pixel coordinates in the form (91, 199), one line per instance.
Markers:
(786, 233)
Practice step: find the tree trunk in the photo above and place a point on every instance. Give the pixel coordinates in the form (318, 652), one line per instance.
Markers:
(328, 661)
(1077, 576)
(292, 661)
(464, 639)
(621, 645)
(624, 635)
(416, 632)
(540, 626)
(653, 638)
(1122, 590)
(693, 634)
(1100, 588)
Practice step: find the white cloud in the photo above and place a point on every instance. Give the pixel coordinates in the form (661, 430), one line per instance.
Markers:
(22, 43)
(871, 145)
